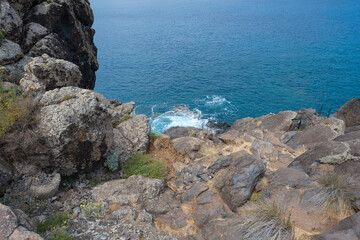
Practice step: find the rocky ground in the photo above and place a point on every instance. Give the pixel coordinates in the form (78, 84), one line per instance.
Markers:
(291, 175)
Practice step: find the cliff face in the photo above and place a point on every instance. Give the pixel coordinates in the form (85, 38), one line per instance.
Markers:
(59, 28)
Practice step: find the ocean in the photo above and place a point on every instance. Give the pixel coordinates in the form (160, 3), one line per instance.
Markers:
(227, 59)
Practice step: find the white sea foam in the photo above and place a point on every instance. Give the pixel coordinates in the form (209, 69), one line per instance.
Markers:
(179, 116)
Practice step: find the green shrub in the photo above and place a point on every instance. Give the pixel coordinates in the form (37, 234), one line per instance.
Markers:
(93, 209)
(144, 165)
(334, 195)
(254, 197)
(111, 162)
(266, 220)
(55, 221)
(60, 235)
(154, 136)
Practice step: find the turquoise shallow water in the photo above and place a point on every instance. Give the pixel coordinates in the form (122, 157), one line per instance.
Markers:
(227, 59)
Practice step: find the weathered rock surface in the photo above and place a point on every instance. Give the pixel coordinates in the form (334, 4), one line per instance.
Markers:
(236, 183)
(312, 136)
(10, 22)
(326, 153)
(45, 73)
(350, 113)
(47, 190)
(186, 145)
(177, 132)
(116, 229)
(61, 29)
(74, 130)
(10, 228)
(136, 131)
(9, 52)
(347, 229)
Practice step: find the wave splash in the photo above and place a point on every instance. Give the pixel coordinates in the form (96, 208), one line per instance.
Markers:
(211, 108)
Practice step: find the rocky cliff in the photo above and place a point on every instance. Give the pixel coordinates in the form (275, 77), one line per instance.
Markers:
(59, 28)
(66, 154)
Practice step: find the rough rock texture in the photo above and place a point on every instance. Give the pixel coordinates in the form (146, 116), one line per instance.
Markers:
(84, 229)
(186, 145)
(48, 190)
(45, 73)
(347, 229)
(10, 228)
(6, 174)
(312, 136)
(61, 29)
(350, 113)
(236, 183)
(136, 131)
(74, 130)
(331, 153)
(9, 52)
(177, 132)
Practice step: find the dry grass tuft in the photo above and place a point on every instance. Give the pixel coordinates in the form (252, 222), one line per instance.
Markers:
(334, 195)
(266, 220)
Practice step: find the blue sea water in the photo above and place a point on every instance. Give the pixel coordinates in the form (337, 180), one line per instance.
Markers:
(227, 59)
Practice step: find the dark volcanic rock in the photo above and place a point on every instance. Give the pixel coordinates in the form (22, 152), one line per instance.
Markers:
(61, 29)
(326, 153)
(236, 183)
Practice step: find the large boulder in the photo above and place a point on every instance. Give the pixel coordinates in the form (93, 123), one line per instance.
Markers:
(34, 32)
(235, 183)
(350, 113)
(312, 136)
(137, 131)
(9, 52)
(177, 132)
(45, 73)
(74, 130)
(186, 145)
(51, 45)
(10, 22)
(325, 153)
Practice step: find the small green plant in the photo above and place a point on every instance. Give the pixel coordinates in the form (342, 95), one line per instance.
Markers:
(191, 133)
(334, 195)
(111, 162)
(154, 136)
(266, 220)
(124, 118)
(93, 209)
(254, 197)
(12, 107)
(67, 97)
(60, 235)
(56, 221)
(94, 182)
(144, 165)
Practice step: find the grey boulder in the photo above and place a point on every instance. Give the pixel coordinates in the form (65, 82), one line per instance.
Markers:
(236, 183)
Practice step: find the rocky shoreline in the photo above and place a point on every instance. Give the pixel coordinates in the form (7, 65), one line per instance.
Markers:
(66, 161)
